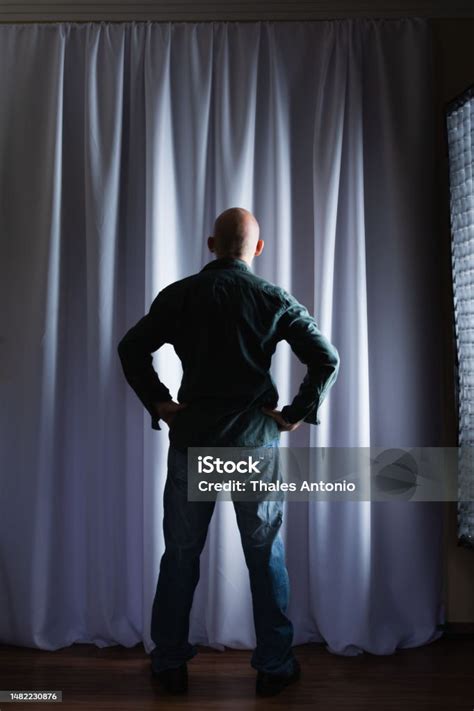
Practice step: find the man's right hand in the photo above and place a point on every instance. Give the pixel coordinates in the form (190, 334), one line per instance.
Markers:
(283, 425)
(167, 410)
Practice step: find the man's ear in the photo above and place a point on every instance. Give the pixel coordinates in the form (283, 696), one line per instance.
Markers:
(211, 244)
(259, 248)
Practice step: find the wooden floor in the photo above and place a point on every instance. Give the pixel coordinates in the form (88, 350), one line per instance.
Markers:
(436, 676)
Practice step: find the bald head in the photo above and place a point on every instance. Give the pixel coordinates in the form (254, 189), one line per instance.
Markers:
(236, 234)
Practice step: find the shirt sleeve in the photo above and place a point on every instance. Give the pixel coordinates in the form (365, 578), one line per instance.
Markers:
(135, 353)
(300, 330)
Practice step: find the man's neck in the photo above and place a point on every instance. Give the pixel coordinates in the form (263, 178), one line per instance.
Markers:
(247, 261)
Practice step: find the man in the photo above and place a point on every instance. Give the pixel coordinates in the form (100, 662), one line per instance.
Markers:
(224, 323)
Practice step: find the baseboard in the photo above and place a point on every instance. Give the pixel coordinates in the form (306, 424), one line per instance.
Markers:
(457, 630)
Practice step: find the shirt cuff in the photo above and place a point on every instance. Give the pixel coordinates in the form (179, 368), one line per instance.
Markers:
(289, 414)
(313, 418)
(155, 423)
(160, 396)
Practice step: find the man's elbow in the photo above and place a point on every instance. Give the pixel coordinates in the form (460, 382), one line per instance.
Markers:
(123, 348)
(334, 361)
(326, 363)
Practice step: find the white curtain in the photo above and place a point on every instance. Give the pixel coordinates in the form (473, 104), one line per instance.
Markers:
(119, 144)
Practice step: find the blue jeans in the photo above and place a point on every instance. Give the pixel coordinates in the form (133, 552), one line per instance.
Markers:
(185, 526)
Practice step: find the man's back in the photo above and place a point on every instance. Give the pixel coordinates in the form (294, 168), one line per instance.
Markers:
(223, 329)
(224, 323)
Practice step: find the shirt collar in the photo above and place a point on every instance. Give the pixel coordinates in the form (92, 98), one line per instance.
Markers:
(227, 263)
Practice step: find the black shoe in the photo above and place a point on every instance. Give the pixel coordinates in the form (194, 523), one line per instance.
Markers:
(175, 681)
(271, 684)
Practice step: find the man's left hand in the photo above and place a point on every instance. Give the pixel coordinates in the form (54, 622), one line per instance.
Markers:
(168, 410)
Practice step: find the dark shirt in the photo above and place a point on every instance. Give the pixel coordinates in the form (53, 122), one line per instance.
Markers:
(224, 324)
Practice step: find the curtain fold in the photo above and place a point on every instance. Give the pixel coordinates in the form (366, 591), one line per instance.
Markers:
(119, 144)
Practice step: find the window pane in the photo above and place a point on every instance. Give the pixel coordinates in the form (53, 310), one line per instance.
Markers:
(460, 127)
